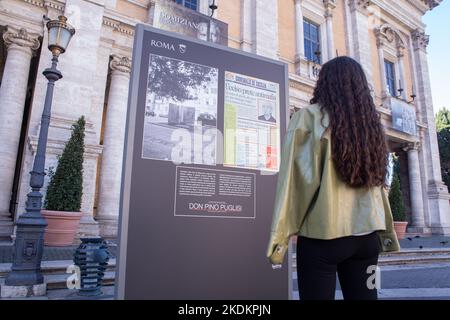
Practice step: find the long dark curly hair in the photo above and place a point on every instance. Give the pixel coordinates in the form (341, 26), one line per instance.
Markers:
(358, 141)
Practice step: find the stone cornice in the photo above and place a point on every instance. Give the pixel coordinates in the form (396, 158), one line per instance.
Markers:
(432, 3)
(119, 26)
(57, 5)
(142, 3)
(56, 146)
(36, 3)
(404, 17)
(53, 4)
(424, 5)
(119, 22)
(301, 83)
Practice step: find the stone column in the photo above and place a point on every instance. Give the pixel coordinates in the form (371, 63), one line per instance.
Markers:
(348, 28)
(299, 35)
(246, 25)
(438, 196)
(360, 32)
(113, 144)
(329, 6)
(380, 46)
(415, 187)
(20, 45)
(151, 12)
(401, 67)
(264, 28)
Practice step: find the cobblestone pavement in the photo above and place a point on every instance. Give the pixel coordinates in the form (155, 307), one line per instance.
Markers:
(53, 253)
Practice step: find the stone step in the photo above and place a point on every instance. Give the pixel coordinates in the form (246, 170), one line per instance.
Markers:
(53, 267)
(414, 259)
(424, 251)
(409, 256)
(59, 281)
(421, 252)
(6, 228)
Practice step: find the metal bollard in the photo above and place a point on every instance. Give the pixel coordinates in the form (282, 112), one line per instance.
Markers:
(92, 258)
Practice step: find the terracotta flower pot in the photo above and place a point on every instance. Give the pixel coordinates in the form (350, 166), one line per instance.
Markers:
(400, 228)
(61, 227)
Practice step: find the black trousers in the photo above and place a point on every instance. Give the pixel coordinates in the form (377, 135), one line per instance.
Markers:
(353, 258)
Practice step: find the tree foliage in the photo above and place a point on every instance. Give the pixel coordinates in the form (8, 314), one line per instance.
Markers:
(443, 136)
(170, 78)
(65, 188)
(443, 119)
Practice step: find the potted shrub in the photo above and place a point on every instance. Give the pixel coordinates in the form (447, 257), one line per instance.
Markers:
(397, 207)
(63, 199)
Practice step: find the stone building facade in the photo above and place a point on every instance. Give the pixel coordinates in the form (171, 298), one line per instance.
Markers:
(387, 37)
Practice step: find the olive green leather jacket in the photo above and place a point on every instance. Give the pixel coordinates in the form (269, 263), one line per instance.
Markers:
(311, 199)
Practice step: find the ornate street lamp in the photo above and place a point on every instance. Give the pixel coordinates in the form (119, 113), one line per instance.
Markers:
(29, 243)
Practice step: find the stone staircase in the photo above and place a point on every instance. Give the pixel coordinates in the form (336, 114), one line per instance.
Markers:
(416, 256)
(55, 273)
(408, 256)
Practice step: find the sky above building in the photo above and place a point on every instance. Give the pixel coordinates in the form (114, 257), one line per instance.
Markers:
(438, 27)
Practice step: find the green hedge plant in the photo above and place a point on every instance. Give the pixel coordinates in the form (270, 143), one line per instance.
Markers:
(65, 187)
(396, 200)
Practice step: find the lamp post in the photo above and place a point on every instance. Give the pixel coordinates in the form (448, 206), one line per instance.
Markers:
(213, 7)
(29, 243)
(316, 61)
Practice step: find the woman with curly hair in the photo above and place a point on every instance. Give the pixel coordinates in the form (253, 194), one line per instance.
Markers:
(331, 190)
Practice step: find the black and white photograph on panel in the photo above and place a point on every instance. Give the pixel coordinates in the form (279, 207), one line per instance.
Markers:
(180, 112)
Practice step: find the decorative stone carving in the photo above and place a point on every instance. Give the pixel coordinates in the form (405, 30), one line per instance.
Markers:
(360, 5)
(120, 63)
(388, 34)
(415, 145)
(329, 5)
(420, 39)
(432, 3)
(21, 37)
(400, 49)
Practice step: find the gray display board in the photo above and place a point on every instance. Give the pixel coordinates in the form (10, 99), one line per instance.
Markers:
(403, 117)
(202, 153)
